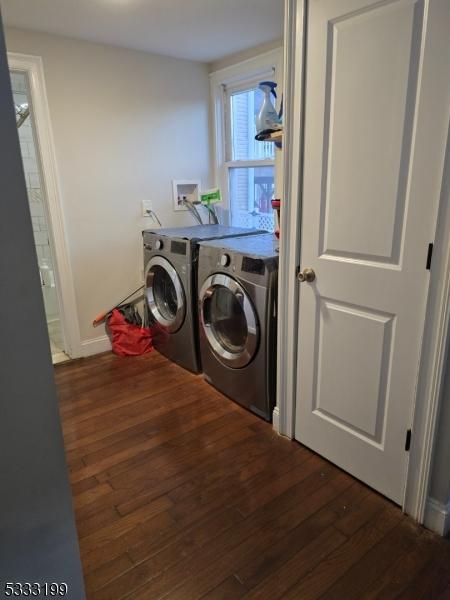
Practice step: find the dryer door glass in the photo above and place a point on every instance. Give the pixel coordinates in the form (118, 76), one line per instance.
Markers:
(165, 294)
(229, 320)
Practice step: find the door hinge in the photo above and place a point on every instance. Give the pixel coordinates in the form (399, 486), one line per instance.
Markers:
(408, 440)
(429, 255)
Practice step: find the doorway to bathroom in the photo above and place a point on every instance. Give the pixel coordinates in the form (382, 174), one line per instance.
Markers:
(38, 210)
(41, 178)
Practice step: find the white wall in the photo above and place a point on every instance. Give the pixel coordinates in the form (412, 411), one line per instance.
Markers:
(437, 515)
(440, 480)
(238, 57)
(125, 124)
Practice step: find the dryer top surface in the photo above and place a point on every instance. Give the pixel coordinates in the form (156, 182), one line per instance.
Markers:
(201, 232)
(260, 246)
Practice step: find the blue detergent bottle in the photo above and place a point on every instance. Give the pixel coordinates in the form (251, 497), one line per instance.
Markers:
(268, 118)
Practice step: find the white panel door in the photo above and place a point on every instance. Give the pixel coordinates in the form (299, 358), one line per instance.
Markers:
(366, 227)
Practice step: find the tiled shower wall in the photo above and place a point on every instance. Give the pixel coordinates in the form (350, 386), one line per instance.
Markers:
(35, 197)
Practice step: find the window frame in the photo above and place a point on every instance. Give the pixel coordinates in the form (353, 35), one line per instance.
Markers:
(225, 82)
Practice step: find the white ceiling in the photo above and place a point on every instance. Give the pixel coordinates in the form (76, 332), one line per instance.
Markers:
(203, 30)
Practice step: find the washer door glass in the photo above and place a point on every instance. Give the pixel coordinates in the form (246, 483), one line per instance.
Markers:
(165, 294)
(229, 320)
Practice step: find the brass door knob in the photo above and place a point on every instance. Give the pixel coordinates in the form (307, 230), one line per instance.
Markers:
(306, 275)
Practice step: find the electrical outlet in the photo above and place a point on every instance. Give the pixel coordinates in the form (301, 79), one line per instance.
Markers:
(146, 206)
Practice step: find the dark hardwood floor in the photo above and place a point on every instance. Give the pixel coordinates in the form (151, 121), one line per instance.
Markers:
(180, 493)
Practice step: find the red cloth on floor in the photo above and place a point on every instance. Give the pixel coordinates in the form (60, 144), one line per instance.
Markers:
(128, 339)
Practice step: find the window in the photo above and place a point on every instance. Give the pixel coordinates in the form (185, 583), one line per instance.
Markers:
(245, 168)
(249, 164)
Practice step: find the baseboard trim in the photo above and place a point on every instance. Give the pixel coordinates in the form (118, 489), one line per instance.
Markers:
(437, 516)
(95, 346)
(60, 357)
(276, 419)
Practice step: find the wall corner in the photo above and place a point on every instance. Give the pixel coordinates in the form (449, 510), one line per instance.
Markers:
(437, 516)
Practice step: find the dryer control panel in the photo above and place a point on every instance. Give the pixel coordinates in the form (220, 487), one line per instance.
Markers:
(253, 265)
(251, 268)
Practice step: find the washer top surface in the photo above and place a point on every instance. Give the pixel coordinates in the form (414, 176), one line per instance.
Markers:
(201, 232)
(261, 246)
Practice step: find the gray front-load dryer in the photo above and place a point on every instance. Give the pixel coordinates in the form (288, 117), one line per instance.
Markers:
(237, 281)
(170, 271)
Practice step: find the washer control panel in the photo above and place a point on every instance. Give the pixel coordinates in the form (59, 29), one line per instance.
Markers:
(159, 244)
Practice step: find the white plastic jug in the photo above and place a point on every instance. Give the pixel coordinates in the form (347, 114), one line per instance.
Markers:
(268, 117)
